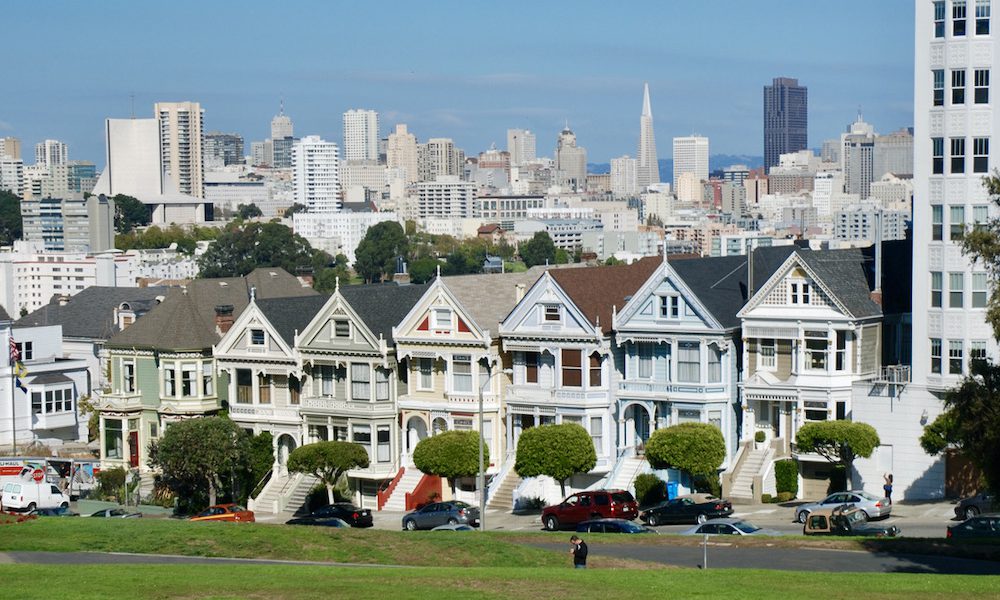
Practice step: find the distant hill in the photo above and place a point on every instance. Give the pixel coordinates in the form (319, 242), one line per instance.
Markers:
(715, 162)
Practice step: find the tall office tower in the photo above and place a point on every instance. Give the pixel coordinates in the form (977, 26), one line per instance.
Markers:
(401, 153)
(361, 135)
(955, 121)
(51, 153)
(181, 145)
(691, 156)
(830, 152)
(786, 119)
(281, 124)
(571, 162)
(226, 148)
(10, 147)
(647, 167)
(439, 157)
(315, 180)
(857, 157)
(521, 145)
(894, 154)
(282, 140)
(624, 182)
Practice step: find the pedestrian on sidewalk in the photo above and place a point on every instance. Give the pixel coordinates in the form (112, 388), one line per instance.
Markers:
(579, 551)
(888, 486)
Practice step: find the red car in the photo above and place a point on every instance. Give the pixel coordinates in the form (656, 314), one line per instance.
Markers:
(225, 512)
(606, 504)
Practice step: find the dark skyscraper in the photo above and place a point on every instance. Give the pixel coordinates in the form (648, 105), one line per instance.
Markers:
(786, 119)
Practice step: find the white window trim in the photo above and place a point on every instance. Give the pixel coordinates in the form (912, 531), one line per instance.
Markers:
(667, 300)
(419, 376)
(761, 365)
(438, 326)
(253, 344)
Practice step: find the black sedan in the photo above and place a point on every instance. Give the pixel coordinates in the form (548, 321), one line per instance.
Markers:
(981, 526)
(693, 508)
(320, 522)
(973, 505)
(354, 516)
(611, 526)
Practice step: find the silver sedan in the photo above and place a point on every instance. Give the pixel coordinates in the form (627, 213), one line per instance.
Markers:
(728, 527)
(871, 505)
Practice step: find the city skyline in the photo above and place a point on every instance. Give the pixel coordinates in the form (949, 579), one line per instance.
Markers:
(440, 89)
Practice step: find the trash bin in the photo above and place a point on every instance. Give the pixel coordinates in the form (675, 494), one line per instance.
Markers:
(671, 490)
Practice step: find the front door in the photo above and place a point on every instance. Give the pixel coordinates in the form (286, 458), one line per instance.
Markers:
(776, 420)
(133, 448)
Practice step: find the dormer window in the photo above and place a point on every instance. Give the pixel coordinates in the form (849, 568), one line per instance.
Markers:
(800, 292)
(342, 329)
(670, 307)
(256, 337)
(552, 313)
(441, 319)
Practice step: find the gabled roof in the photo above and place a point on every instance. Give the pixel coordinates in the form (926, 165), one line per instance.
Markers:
(489, 298)
(382, 306)
(598, 291)
(186, 320)
(845, 274)
(3, 315)
(90, 314)
(290, 315)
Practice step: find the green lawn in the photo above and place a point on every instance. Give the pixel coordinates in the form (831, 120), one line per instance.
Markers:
(290, 582)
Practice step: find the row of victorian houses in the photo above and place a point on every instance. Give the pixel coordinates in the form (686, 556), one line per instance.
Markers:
(766, 345)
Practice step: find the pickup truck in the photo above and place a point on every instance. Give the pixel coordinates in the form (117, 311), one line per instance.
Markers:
(28, 495)
(846, 519)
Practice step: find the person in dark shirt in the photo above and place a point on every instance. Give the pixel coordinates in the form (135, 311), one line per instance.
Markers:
(579, 552)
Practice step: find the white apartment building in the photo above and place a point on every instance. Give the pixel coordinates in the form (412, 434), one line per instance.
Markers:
(860, 223)
(447, 196)
(229, 190)
(315, 177)
(69, 224)
(360, 135)
(165, 264)
(11, 174)
(10, 147)
(51, 153)
(954, 123)
(401, 154)
(566, 234)
(891, 191)
(338, 233)
(521, 146)
(691, 156)
(367, 174)
(181, 144)
(506, 210)
(624, 182)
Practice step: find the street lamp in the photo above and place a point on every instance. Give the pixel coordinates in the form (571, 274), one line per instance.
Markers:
(482, 442)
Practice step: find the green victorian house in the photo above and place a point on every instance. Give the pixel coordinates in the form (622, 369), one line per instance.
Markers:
(162, 369)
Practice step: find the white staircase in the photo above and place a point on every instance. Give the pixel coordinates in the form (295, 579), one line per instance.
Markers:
(623, 478)
(283, 493)
(503, 497)
(397, 501)
(751, 467)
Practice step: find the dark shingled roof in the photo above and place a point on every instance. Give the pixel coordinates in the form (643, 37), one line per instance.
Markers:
(595, 290)
(3, 315)
(382, 306)
(90, 314)
(290, 315)
(186, 319)
(845, 273)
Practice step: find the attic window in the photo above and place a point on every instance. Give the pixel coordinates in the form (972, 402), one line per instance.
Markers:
(800, 292)
(441, 318)
(341, 329)
(552, 313)
(256, 337)
(670, 307)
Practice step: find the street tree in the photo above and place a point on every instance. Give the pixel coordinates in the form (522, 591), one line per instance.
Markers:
(451, 454)
(129, 213)
(558, 451)
(839, 442)
(539, 250)
(10, 218)
(200, 457)
(696, 448)
(326, 279)
(243, 247)
(328, 461)
(377, 252)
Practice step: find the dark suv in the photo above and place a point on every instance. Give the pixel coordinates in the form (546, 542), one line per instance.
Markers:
(608, 504)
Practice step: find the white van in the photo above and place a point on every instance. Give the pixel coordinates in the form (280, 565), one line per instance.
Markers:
(30, 495)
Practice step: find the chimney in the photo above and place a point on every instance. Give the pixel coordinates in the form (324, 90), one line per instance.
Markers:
(63, 300)
(518, 292)
(305, 275)
(402, 274)
(223, 318)
(876, 294)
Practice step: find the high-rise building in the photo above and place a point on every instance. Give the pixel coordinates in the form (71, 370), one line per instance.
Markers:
(521, 146)
(439, 157)
(447, 197)
(647, 167)
(401, 154)
(894, 154)
(624, 182)
(226, 148)
(281, 141)
(63, 224)
(571, 162)
(691, 156)
(51, 153)
(181, 144)
(360, 135)
(261, 153)
(786, 119)
(82, 175)
(10, 147)
(281, 125)
(315, 179)
(11, 175)
(134, 161)
(857, 157)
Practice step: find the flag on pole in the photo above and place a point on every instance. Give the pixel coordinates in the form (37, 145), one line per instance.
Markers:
(21, 386)
(15, 352)
(19, 370)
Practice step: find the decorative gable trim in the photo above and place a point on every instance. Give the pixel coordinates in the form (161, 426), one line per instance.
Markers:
(547, 291)
(643, 301)
(775, 290)
(251, 318)
(337, 306)
(418, 326)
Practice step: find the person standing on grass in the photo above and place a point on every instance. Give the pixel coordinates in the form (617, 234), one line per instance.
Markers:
(579, 552)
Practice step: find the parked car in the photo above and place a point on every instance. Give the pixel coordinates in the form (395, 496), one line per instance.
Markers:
(320, 522)
(845, 519)
(58, 511)
(974, 505)
(117, 513)
(225, 512)
(612, 526)
(458, 527)
(873, 507)
(729, 527)
(355, 517)
(599, 504)
(28, 495)
(692, 508)
(979, 526)
(441, 513)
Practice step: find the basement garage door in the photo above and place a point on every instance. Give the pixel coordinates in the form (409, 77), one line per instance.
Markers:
(815, 480)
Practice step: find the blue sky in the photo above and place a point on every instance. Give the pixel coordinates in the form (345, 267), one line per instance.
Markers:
(466, 70)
